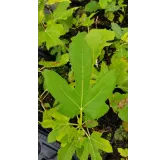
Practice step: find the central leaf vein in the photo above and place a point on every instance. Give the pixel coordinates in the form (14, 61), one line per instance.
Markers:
(92, 147)
(82, 73)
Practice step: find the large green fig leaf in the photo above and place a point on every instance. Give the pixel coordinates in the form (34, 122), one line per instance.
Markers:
(84, 98)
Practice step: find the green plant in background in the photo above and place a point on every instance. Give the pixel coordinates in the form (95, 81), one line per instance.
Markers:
(123, 153)
(84, 20)
(51, 31)
(119, 103)
(92, 6)
(84, 102)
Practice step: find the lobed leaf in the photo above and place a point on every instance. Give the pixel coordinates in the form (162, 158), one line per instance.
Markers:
(51, 35)
(60, 129)
(61, 12)
(90, 100)
(93, 144)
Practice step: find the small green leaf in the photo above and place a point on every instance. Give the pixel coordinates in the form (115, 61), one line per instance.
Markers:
(120, 64)
(51, 35)
(121, 52)
(67, 24)
(61, 128)
(120, 2)
(123, 114)
(125, 37)
(123, 152)
(121, 18)
(118, 31)
(75, 142)
(119, 103)
(112, 8)
(48, 123)
(53, 112)
(71, 76)
(91, 123)
(104, 3)
(61, 12)
(86, 21)
(97, 40)
(92, 6)
(110, 15)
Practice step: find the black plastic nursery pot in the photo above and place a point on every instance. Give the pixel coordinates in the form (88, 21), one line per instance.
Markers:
(47, 151)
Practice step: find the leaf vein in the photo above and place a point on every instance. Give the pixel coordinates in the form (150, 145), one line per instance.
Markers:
(69, 97)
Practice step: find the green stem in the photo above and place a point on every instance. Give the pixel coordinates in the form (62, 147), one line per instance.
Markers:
(81, 117)
(73, 124)
(85, 132)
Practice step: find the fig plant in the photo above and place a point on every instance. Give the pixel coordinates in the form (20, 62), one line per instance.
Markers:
(80, 100)
(83, 101)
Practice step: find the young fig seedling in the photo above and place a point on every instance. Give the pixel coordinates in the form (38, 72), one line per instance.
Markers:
(83, 101)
